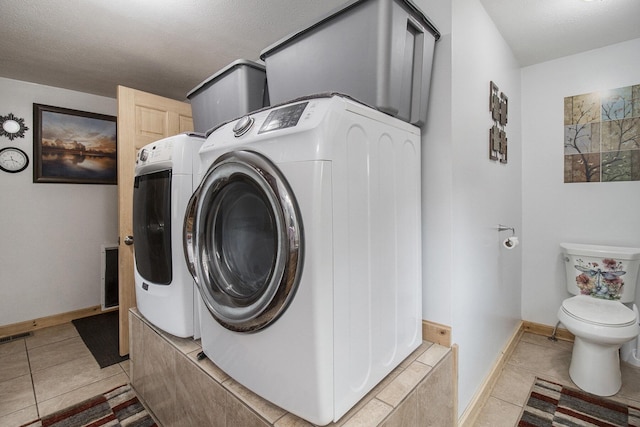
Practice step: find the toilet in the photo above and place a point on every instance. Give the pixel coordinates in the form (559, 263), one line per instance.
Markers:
(603, 279)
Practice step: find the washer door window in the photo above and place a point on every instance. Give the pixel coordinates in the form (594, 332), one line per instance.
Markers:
(243, 240)
(152, 226)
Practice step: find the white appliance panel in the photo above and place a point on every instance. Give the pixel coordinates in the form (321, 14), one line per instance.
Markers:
(171, 307)
(355, 173)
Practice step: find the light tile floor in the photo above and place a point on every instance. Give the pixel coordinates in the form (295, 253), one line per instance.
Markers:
(48, 371)
(53, 369)
(533, 356)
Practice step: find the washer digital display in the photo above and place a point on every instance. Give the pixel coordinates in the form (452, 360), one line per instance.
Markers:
(283, 117)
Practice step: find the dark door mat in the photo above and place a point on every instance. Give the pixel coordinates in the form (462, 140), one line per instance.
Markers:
(100, 335)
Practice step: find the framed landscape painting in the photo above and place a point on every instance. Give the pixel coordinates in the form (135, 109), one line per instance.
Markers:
(71, 146)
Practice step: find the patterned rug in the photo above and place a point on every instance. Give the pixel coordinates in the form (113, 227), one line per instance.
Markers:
(118, 407)
(552, 404)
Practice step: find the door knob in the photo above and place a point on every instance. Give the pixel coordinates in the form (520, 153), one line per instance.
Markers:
(128, 240)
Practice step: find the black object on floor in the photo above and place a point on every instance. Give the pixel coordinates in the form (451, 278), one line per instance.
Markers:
(100, 335)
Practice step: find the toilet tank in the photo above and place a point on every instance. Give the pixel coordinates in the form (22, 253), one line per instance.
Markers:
(606, 272)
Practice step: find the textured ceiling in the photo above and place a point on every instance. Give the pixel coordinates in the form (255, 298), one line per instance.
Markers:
(169, 46)
(541, 30)
(161, 46)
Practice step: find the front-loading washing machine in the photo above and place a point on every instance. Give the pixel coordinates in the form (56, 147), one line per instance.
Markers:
(304, 239)
(164, 182)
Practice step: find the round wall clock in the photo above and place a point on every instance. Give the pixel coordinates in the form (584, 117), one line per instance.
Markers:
(13, 160)
(12, 126)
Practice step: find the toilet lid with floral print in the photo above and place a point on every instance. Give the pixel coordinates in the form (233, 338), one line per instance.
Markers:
(599, 311)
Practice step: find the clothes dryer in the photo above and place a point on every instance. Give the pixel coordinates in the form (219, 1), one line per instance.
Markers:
(304, 239)
(164, 182)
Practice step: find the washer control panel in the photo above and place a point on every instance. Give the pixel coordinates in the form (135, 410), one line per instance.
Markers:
(155, 157)
(282, 118)
(242, 126)
(160, 151)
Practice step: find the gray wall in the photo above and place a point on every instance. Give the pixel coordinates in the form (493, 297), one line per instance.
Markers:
(51, 233)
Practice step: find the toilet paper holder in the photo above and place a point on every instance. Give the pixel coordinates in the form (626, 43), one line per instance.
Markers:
(509, 242)
(505, 228)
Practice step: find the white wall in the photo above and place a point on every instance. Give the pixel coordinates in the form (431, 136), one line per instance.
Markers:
(437, 174)
(51, 233)
(554, 212)
(486, 278)
(470, 282)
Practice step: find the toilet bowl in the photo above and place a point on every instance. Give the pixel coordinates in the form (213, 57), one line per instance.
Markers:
(603, 279)
(600, 328)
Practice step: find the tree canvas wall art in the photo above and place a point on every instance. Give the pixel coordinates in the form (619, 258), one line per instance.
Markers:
(602, 136)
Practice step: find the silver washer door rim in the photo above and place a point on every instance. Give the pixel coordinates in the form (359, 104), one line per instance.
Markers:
(188, 243)
(208, 265)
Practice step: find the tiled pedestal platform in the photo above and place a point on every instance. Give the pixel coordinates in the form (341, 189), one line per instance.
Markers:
(182, 391)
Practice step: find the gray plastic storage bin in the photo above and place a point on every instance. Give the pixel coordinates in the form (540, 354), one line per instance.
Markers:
(237, 89)
(378, 51)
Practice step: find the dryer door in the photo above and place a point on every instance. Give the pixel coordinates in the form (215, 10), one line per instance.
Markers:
(243, 241)
(152, 226)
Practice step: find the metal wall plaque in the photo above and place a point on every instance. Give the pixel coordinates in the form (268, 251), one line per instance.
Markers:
(498, 106)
